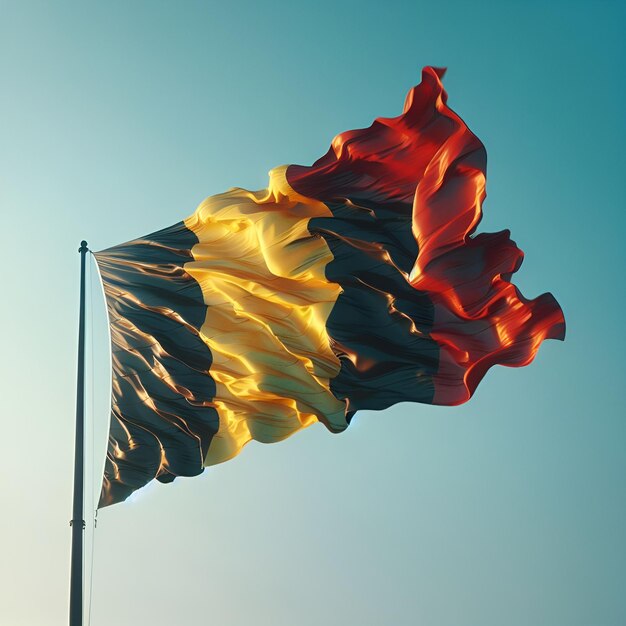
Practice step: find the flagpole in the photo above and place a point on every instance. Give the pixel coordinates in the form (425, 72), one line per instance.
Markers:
(77, 522)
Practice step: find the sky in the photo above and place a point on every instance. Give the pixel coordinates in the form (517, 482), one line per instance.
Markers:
(118, 118)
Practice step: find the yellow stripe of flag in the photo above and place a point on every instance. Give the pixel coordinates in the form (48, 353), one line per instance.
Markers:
(262, 276)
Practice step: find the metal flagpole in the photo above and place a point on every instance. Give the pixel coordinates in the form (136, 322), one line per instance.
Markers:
(77, 522)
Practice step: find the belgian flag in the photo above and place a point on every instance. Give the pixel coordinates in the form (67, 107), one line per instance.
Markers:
(352, 284)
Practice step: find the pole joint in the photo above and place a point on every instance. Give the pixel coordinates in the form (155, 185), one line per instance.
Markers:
(82, 521)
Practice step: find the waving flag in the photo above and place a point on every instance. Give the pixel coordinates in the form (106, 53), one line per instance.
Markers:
(352, 284)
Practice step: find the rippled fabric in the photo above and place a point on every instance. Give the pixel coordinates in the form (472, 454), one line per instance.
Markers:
(162, 414)
(352, 284)
(426, 308)
(262, 276)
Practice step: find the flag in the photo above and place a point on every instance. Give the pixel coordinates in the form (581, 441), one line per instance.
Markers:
(355, 283)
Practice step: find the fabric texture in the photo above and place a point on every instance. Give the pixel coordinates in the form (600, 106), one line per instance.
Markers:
(355, 283)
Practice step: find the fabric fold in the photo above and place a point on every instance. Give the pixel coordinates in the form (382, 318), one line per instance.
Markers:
(354, 283)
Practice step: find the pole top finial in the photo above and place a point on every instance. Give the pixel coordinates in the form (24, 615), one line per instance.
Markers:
(83, 246)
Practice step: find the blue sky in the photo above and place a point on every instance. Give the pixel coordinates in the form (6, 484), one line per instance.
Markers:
(119, 118)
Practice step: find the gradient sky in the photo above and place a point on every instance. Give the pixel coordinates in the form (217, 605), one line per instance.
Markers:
(118, 118)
